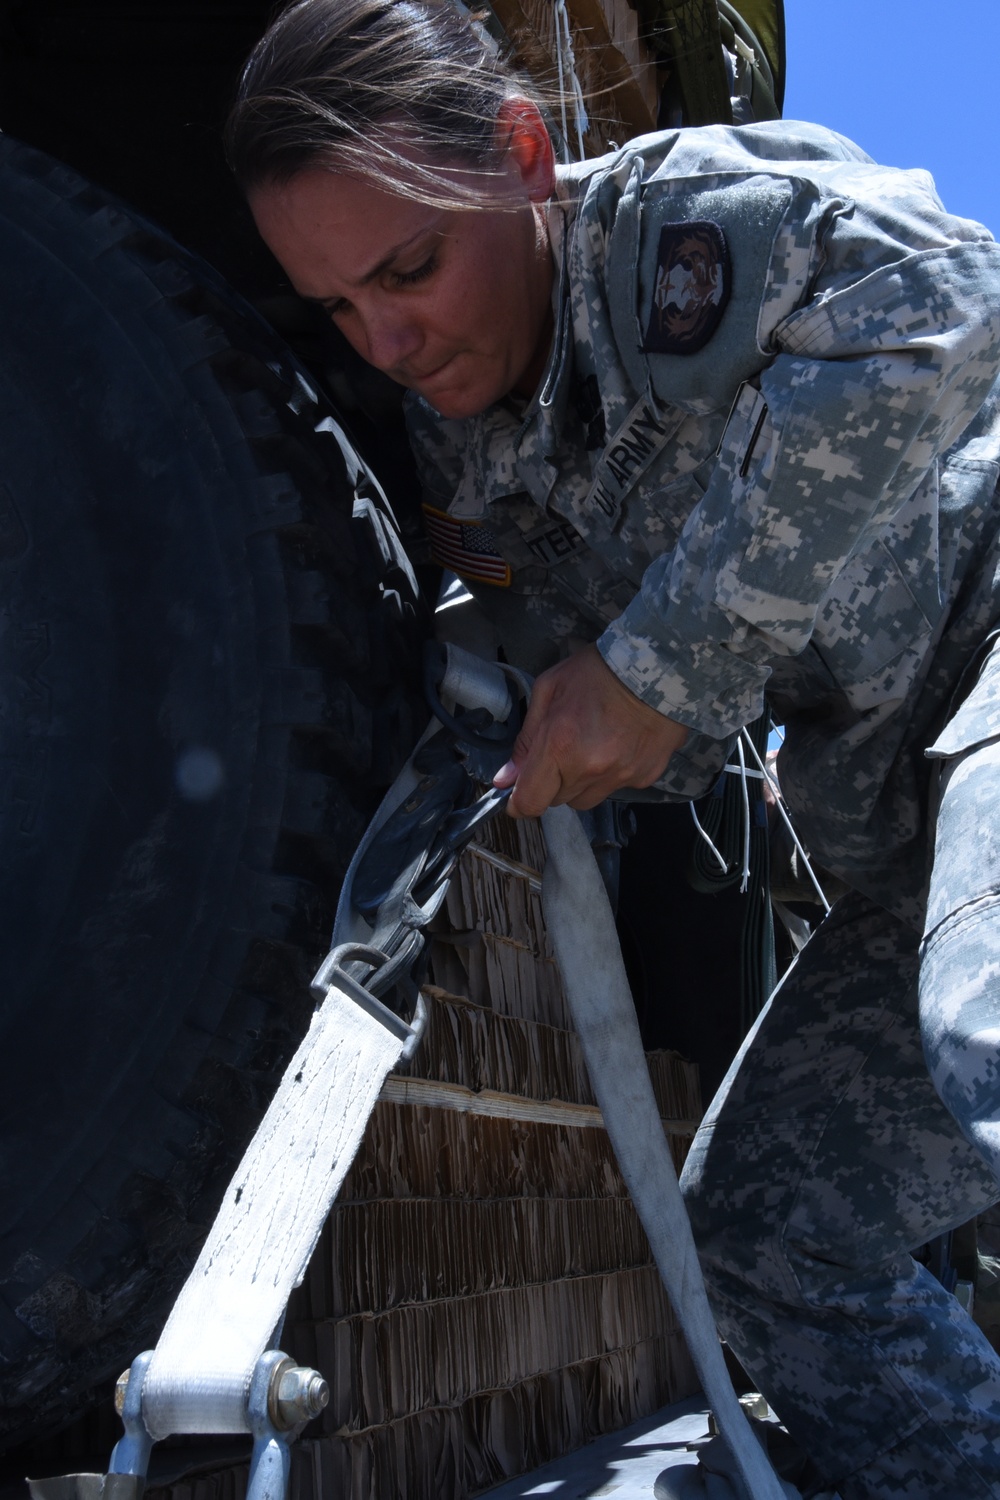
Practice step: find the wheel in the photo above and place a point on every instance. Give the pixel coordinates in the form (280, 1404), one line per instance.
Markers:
(208, 648)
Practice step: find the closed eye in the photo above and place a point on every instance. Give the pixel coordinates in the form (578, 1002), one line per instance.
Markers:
(421, 273)
(336, 306)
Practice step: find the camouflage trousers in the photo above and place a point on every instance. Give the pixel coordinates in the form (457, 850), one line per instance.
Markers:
(828, 1156)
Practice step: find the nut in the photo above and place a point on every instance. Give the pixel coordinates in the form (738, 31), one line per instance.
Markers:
(754, 1406)
(121, 1389)
(301, 1395)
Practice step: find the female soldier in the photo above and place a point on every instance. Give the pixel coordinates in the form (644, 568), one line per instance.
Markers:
(720, 410)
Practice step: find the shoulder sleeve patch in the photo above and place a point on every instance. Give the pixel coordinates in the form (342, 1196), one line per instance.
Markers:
(692, 285)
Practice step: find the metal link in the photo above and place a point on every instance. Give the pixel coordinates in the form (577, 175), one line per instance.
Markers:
(398, 936)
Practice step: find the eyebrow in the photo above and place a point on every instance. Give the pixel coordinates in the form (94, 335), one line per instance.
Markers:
(383, 265)
(388, 259)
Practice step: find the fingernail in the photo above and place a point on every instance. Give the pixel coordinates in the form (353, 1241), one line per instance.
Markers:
(505, 775)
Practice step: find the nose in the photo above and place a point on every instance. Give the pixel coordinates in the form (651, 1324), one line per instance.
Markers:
(392, 337)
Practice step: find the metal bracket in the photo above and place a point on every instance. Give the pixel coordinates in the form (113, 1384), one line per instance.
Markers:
(131, 1452)
(283, 1397)
(270, 1462)
(331, 974)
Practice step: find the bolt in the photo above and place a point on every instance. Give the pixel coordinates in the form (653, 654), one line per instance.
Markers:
(301, 1394)
(754, 1405)
(121, 1388)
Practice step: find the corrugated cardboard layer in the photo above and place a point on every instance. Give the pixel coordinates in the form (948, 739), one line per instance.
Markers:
(486, 899)
(473, 1046)
(375, 1256)
(511, 978)
(481, 1298)
(495, 948)
(411, 1152)
(384, 1366)
(453, 1452)
(520, 839)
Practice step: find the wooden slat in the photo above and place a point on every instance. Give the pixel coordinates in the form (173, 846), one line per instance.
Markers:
(453, 1096)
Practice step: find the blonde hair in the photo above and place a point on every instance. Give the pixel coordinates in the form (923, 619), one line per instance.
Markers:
(339, 83)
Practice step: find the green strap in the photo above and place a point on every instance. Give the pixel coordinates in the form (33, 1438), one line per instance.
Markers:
(766, 19)
(685, 33)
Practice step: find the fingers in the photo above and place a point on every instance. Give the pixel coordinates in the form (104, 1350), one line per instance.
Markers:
(585, 736)
(549, 774)
(532, 769)
(538, 786)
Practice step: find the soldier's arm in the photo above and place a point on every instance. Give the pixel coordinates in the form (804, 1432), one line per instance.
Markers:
(888, 354)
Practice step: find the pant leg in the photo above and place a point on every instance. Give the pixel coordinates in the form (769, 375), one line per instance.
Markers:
(960, 971)
(826, 1157)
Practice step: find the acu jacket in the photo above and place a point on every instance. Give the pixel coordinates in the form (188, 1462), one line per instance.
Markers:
(764, 456)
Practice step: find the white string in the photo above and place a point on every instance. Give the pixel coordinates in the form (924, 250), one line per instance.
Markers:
(745, 880)
(566, 63)
(562, 88)
(744, 772)
(722, 863)
(780, 801)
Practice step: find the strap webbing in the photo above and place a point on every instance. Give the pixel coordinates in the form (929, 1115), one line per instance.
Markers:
(582, 929)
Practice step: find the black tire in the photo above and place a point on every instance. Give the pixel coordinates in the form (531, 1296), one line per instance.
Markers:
(206, 677)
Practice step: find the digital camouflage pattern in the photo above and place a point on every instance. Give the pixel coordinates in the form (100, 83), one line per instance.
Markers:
(837, 547)
(825, 1158)
(802, 501)
(960, 967)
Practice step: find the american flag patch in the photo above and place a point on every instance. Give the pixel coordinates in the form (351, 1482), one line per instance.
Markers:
(466, 548)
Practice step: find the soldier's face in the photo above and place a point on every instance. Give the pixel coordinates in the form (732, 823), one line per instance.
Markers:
(452, 303)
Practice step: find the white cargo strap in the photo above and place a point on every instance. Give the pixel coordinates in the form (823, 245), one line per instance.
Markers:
(259, 1246)
(265, 1231)
(258, 1249)
(582, 929)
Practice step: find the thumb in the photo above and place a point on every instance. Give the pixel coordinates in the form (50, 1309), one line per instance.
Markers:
(506, 776)
(508, 773)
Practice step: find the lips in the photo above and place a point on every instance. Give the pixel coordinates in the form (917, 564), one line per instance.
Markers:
(415, 378)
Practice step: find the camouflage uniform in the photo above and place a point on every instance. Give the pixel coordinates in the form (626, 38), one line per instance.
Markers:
(765, 452)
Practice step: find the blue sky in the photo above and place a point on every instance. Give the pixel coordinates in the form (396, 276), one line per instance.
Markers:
(914, 82)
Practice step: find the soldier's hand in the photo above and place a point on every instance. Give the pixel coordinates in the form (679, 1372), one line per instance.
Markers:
(585, 736)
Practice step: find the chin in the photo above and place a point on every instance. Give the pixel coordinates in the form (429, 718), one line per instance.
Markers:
(458, 401)
(456, 406)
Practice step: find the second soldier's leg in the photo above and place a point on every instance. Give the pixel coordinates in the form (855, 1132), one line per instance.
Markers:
(826, 1157)
(960, 972)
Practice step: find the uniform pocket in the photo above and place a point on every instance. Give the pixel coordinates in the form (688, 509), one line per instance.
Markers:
(870, 631)
(655, 513)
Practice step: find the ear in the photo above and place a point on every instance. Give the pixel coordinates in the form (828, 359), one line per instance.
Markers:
(522, 130)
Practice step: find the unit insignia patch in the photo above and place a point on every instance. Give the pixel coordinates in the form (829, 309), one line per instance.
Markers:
(692, 287)
(466, 547)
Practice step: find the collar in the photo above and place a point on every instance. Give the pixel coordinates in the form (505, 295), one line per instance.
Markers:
(549, 407)
(509, 450)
